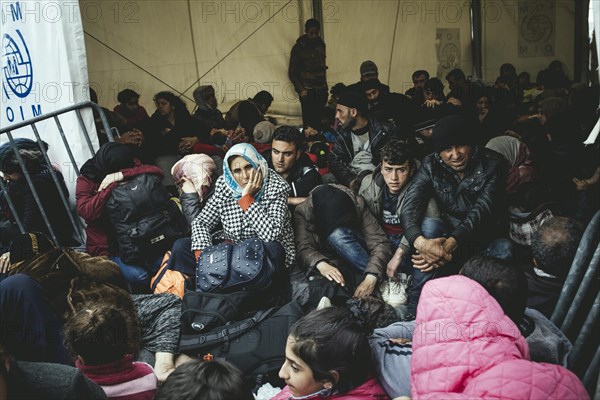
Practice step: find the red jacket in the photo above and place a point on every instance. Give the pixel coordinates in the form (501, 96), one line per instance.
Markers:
(90, 206)
(123, 379)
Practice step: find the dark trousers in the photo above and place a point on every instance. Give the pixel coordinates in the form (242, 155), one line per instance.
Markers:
(312, 104)
(30, 330)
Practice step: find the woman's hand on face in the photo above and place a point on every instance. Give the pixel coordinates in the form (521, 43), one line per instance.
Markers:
(110, 179)
(187, 186)
(254, 183)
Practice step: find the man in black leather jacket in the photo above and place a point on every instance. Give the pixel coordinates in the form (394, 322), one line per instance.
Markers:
(468, 184)
(357, 134)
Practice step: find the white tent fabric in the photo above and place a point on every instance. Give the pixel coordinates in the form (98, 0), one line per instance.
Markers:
(596, 10)
(179, 42)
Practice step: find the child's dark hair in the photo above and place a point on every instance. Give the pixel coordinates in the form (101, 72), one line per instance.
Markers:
(397, 152)
(335, 339)
(127, 94)
(214, 380)
(503, 281)
(97, 334)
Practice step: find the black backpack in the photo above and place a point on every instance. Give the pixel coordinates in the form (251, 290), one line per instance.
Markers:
(147, 222)
(256, 345)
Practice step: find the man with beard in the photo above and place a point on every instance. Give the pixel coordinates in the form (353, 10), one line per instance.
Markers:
(289, 161)
(359, 140)
(394, 108)
(307, 71)
(467, 182)
(415, 93)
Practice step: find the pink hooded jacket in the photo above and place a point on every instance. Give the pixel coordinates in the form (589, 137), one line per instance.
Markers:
(465, 347)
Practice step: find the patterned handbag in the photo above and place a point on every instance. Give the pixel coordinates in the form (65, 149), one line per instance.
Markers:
(248, 265)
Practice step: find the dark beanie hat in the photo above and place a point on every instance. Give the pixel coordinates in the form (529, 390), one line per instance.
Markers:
(454, 130)
(368, 68)
(354, 100)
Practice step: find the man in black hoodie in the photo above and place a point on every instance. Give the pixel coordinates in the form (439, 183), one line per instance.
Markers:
(307, 71)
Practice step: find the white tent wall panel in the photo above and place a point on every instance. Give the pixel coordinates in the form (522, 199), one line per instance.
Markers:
(356, 31)
(157, 36)
(500, 38)
(416, 39)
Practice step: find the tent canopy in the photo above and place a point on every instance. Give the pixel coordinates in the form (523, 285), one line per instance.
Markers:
(242, 47)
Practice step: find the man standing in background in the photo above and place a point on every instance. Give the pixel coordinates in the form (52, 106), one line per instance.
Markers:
(307, 71)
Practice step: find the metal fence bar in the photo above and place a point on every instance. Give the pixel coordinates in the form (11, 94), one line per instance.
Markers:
(592, 372)
(580, 262)
(65, 142)
(586, 330)
(73, 217)
(34, 192)
(588, 279)
(60, 185)
(85, 132)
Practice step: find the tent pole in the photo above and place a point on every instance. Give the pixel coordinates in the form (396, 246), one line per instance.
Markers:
(476, 38)
(581, 44)
(317, 9)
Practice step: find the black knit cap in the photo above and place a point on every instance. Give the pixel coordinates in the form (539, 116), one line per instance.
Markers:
(354, 100)
(454, 130)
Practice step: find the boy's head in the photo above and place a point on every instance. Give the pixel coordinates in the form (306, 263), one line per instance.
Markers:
(397, 165)
(97, 334)
(503, 281)
(215, 380)
(554, 245)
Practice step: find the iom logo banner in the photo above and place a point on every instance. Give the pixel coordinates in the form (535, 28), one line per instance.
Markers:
(18, 68)
(43, 68)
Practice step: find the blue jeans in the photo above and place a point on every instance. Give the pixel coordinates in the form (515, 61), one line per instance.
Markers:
(136, 277)
(350, 245)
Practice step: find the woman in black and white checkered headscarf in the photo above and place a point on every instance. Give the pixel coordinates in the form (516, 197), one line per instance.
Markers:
(250, 201)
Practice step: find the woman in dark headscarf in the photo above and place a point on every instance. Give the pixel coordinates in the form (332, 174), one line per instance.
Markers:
(173, 132)
(22, 196)
(206, 107)
(112, 163)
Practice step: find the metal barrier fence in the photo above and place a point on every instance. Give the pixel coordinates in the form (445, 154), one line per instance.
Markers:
(578, 291)
(78, 228)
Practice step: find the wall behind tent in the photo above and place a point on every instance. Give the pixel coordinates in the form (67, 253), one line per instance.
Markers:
(364, 30)
(239, 49)
(502, 28)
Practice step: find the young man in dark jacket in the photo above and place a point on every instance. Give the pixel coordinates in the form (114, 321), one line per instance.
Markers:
(359, 141)
(288, 160)
(307, 71)
(468, 184)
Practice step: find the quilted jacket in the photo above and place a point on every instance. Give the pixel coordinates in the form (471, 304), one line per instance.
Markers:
(465, 347)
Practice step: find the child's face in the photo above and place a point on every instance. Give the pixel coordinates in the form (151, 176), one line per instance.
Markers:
(297, 375)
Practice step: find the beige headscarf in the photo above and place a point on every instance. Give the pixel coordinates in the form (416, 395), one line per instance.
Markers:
(198, 168)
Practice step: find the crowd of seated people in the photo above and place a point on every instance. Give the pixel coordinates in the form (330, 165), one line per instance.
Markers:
(479, 194)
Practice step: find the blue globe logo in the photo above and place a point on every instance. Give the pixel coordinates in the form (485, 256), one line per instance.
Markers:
(16, 65)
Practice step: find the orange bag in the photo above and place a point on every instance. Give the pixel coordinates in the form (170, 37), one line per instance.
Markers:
(167, 280)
